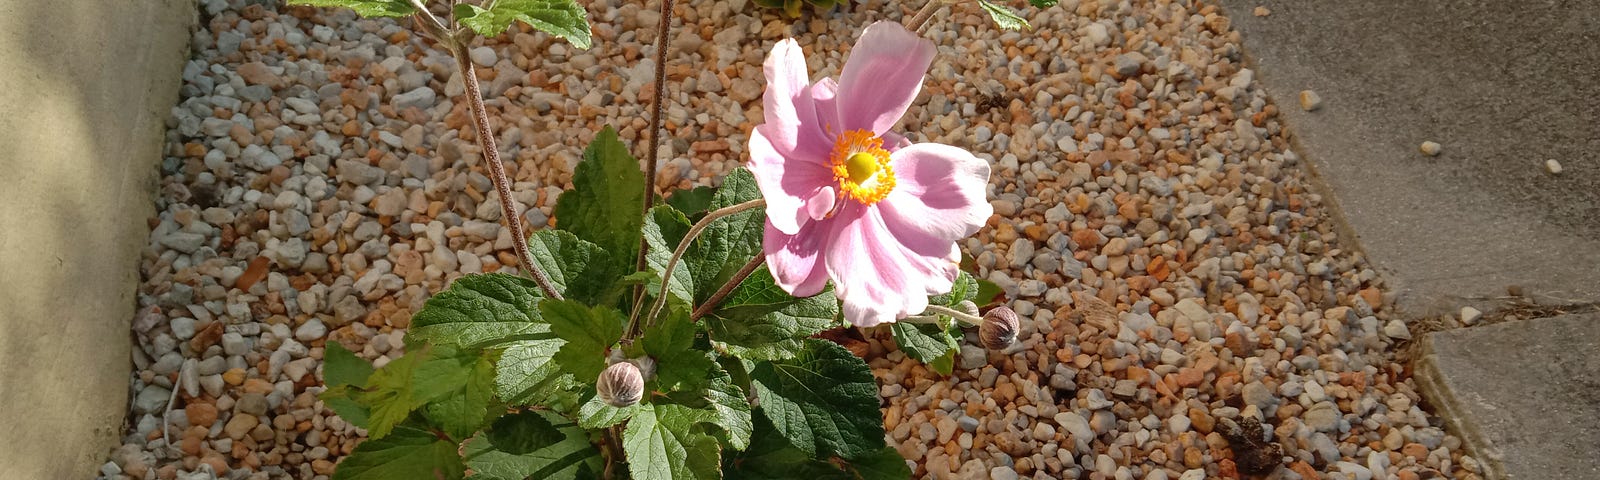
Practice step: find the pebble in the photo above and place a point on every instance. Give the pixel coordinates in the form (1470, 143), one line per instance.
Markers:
(1469, 315)
(1310, 101)
(1431, 148)
(1552, 166)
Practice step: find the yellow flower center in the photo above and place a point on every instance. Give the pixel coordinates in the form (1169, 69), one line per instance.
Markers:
(861, 166)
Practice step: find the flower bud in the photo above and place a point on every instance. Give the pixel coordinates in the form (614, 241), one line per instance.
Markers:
(621, 384)
(999, 328)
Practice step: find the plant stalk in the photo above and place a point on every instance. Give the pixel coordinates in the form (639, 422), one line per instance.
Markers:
(683, 245)
(738, 277)
(960, 316)
(663, 35)
(497, 169)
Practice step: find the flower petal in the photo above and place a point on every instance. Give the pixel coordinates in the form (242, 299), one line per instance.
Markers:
(882, 77)
(794, 259)
(939, 197)
(821, 203)
(824, 95)
(788, 108)
(878, 279)
(785, 184)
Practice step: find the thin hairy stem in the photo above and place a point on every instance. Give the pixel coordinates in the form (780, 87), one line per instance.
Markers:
(663, 34)
(683, 245)
(922, 16)
(960, 316)
(738, 277)
(497, 170)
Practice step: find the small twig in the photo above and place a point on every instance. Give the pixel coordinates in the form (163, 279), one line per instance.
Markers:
(683, 245)
(716, 298)
(924, 14)
(497, 170)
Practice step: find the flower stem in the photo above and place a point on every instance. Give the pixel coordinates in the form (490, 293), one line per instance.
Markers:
(960, 316)
(657, 103)
(924, 14)
(491, 155)
(716, 298)
(683, 245)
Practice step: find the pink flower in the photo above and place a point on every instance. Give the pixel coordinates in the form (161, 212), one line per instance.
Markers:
(852, 202)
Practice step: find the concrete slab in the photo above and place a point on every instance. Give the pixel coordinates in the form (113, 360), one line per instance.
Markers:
(1503, 86)
(1524, 396)
(85, 87)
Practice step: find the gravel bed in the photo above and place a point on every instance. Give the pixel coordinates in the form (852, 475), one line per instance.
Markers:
(1175, 273)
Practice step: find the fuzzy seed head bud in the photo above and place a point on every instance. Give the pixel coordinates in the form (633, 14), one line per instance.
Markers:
(999, 328)
(621, 384)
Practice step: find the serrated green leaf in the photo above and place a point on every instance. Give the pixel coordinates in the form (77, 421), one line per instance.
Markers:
(663, 228)
(670, 342)
(589, 333)
(405, 453)
(729, 243)
(522, 433)
(731, 407)
(771, 457)
(389, 393)
(480, 311)
(945, 364)
(924, 342)
(341, 399)
(562, 18)
(597, 414)
(606, 203)
(988, 293)
(365, 8)
(824, 400)
(662, 441)
(1003, 17)
(693, 202)
(579, 269)
(964, 288)
(342, 367)
(572, 458)
(457, 390)
(528, 375)
(760, 321)
(884, 464)
(1043, 3)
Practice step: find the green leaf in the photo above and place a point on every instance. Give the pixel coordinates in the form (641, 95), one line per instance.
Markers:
(342, 400)
(1003, 17)
(578, 269)
(1043, 3)
(481, 310)
(457, 390)
(365, 8)
(606, 203)
(965, 288)
(670, 342)
(945, 364)
(527, 374)
(771, 457)
(562, 18)
(389, 393)
(523, 432)
(923, 341)
(732, 409)
(573, 457)
(825, 400)
(589, 333)
(988, 293)
(597, 414)
(663, 228)
(342, 367)
(730, 242)
(693, 202)
(759, 321)
(662, 441)
(884, 464)
(406, 453)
